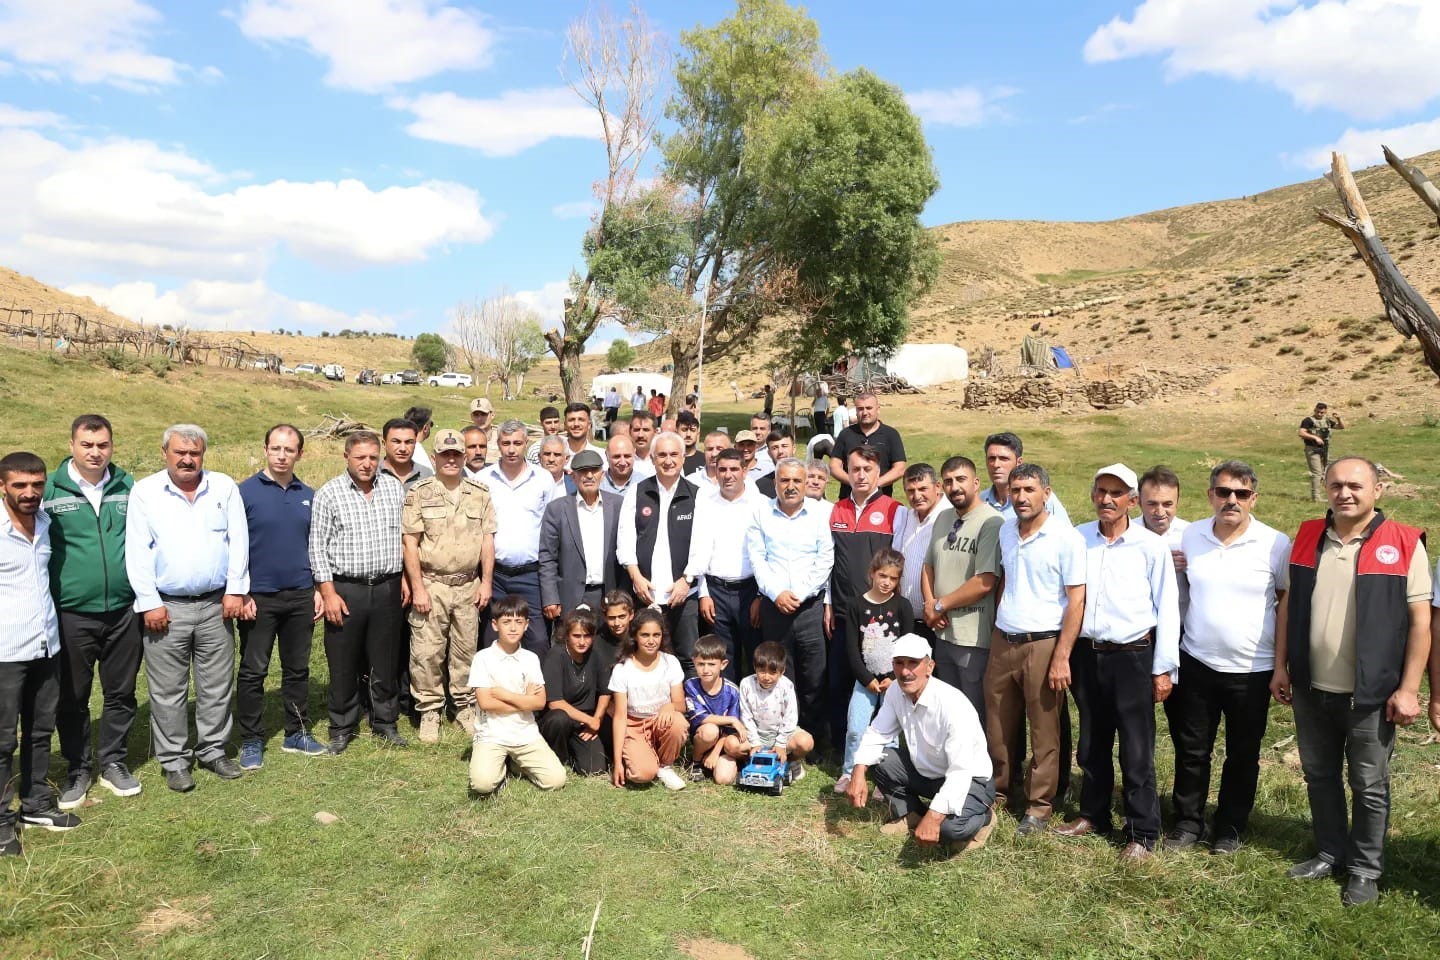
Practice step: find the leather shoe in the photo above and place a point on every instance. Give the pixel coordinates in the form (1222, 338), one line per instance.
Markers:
(1313, 869)
(1359, 891)
(1031, 824)
(339, 741)
(1079, 827)
(901, 826)
(1135, 851)
(389, 737)
(181, 781)
(224, 768)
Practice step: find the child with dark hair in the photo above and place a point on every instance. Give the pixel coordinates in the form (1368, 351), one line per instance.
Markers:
(712, 705)
(874, 620)
(618, 608)
(649, 705)
(770, 711)
(574, 723)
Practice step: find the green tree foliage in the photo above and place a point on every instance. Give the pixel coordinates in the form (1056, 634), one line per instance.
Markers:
(620, 355)
(429, 353)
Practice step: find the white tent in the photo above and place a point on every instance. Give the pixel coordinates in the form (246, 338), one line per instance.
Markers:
(627, 381)
(926, 364)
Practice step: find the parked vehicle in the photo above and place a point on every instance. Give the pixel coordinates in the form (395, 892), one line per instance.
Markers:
(333, 371)
(307, 368)
(366, 377)
(410, 377)
(451, 379)
(289, 371)
(387, 379)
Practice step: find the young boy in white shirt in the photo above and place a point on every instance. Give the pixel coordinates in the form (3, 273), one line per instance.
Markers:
(509, 688)
(770, 711)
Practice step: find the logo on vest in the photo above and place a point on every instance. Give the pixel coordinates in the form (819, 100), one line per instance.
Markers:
(877, 518)
(1387, 554)
(646, 511)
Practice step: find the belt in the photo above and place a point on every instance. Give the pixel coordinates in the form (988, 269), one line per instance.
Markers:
(374, 581)
(1018, 638)
(518, 570)
(740, 584)
(1105, 646)
(193, 597)
(451, 579)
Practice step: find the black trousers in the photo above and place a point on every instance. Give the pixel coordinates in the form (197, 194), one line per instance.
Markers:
(839, 682)
(1206, 695)
(526, 585)
(684, 623)
(29, 697)
(908, 791)
(110, 641)
(372, 628)
(562, 733)
(802, 634)
(286, 616)
(1115, 694)
(732, 621)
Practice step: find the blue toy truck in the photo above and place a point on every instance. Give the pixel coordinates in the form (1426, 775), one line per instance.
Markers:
(765, 771)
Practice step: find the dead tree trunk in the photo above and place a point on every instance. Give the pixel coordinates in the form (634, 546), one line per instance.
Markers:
(1418, 181)
(1407, 310)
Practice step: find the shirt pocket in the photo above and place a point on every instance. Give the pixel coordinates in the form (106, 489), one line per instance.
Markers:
(435, 519)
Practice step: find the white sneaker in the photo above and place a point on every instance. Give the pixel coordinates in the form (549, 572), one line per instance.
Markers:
(843, 784)
(671, 779)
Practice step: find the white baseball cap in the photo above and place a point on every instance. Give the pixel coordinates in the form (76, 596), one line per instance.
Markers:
(912, 646)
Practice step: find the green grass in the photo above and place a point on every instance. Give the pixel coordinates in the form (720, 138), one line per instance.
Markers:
(414, 868)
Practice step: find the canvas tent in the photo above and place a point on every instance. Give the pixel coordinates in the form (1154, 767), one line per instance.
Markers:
(626, 382)
(926, 364)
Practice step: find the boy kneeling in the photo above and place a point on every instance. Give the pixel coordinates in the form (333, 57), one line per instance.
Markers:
(712, 705)
(509, 688)
(770, 711)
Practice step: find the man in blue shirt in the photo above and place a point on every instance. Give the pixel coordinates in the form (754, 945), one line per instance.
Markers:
(187, 551)
(283, 604)
(1003, 454)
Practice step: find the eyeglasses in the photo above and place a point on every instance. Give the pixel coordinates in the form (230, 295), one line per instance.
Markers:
(1239, 493)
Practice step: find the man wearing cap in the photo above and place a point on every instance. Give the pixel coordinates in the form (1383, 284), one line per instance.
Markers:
(1315, 432)
(482, 415)
(1124, 663)
(551, 425)
(448, 534)
(938, 781)
(727, 584)
(578, 540)
(620, 474)
(520, 492)
(1040, 607)
(746, 442)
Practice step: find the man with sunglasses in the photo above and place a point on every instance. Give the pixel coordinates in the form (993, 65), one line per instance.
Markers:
(1238, 570)
(958, 579)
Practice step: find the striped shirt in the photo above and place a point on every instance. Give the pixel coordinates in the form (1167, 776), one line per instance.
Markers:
(352, 535)
(29, 629)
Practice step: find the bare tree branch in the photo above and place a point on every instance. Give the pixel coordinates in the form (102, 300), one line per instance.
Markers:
(1414, 176)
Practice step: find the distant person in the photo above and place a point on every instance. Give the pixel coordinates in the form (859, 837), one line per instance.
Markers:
(868, 431)
(612, 404)
(769, 390)
(735, 389)
(637, 400)
(482, 415)
(820, 408)
(1315, 432)
(1003, 454)
(86, 499)
(422, 417)
(844, 415)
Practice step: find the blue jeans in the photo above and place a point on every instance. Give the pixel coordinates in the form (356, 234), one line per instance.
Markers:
(863, 705)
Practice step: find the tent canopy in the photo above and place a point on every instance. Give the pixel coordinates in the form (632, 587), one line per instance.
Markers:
(926, 364)
(627, 381)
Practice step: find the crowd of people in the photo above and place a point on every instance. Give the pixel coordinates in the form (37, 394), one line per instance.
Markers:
(608, 609)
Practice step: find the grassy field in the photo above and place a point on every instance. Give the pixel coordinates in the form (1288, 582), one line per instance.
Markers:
(413, 868)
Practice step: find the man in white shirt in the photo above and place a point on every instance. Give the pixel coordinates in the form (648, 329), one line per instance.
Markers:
(1040, 605)
(1159, 500)
(519, 491)
(715, 441)
(1123, 664)
(728, 594)
(577, 432)
(187, 552)
(938, 781)
(914, 526)
(1238, 569)
(642, 435)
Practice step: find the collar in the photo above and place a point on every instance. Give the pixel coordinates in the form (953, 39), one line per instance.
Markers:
(1370, 528)
(8, 528)
(81, 481)
(860, 505)
(1245, 536)
(270, 481)
(202, 487)
(528, 470)
(580, 503)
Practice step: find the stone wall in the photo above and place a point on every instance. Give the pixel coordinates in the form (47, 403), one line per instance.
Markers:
(1066, 390)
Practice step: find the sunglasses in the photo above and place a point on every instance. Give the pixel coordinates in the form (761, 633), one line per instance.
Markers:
(1239, 493)
(954, 534)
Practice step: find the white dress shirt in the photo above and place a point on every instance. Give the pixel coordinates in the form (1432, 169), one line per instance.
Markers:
(185, 548)
(912, 538)
(592, 538)
(1230, 625)
(1130, 590)
(513, 672)
(29, 626)
(1037, 571)
(791, 553)
(643, 467)
(93, 492)
(519, 508)
(423, 458)
(717, 541)
(942, 735)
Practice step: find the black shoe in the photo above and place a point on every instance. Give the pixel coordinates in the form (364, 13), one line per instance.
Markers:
(9, 842)
(1360, 891)
(180, 780)
(1178, 839)
(390, 737)
(54, 819)
(1225, 846)
(224, 768)
(1313, 869)
(339, 742)
(1031, 824)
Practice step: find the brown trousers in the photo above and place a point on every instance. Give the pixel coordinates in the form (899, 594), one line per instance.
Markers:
(1017, 689)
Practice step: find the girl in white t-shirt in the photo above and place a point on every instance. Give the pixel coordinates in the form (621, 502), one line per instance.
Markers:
(647, 686)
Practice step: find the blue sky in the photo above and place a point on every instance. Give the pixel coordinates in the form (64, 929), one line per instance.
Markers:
(320, 164)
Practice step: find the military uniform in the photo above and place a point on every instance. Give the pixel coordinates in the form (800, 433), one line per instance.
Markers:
(451, 529)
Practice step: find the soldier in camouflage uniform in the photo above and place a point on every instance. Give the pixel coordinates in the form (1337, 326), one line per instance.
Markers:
(448, 524)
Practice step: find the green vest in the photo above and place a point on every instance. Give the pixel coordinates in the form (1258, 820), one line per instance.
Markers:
(87, 551)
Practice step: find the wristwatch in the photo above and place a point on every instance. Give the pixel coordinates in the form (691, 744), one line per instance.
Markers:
(939, 606)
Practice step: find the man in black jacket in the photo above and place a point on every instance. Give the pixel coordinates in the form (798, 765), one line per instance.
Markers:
(578, 541)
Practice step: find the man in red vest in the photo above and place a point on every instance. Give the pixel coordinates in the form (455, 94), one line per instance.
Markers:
(1350, 660)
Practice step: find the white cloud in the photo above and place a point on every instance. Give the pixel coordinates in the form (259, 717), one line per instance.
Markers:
(960, 106)
(1104, 110)
(1368, 58)
(1362, 147)
(132, 205)
(548, 302)
(87, 41)
(223, 305)
(576, 210)
(12, 116)
(502, 126)
(372, 45)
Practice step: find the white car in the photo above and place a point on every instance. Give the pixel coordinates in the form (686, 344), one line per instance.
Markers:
(307, 368)
(451, 379)
(389, 379)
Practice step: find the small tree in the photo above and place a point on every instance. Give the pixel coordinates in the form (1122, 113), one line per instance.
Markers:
(501, 335)
(429, 352)
(620, 354)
